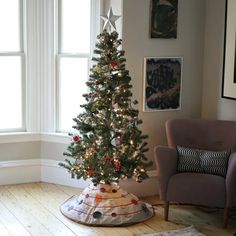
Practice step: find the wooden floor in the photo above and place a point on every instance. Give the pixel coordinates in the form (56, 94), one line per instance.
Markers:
(33, 209)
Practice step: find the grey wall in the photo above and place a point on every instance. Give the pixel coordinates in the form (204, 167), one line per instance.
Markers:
(189, 45)
(53, 151)
(213, 106)
(213, 58)
(19, 151)
(32, 150)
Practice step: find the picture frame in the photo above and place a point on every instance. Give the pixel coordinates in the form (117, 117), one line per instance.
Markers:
(162, 83)
(163, 19)
(229, 59)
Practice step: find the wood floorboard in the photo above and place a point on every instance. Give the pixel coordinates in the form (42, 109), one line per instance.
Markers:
(52, 205)
(33, 209)
(25, 217)
(11, 223)
(40, 213)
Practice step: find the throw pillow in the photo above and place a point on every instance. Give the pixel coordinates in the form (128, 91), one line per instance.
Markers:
(202, 161)
(215, 162)
(188, 160)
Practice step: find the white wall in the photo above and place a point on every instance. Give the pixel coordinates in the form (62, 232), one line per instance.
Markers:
(213, 58)
(213, 106)
(52, 150)
(19, 150)
(189, 45)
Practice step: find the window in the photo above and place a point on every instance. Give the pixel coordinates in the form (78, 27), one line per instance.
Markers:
(11, 66)
(77, 25)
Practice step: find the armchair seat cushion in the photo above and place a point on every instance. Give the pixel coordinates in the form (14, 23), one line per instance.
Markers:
(196, 188)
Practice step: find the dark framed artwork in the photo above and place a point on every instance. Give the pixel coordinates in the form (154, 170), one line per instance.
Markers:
(162, 83)
(163, 19)
(229, 61)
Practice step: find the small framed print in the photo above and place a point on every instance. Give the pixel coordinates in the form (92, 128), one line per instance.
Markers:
(163, 20)
(162, 83)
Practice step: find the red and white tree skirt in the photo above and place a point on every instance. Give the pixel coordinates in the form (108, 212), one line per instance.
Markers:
(106, 205)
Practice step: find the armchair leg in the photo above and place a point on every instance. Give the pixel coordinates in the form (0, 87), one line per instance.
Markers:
(166, 210)
(226, 216)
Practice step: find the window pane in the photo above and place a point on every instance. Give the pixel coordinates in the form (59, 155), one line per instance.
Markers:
(73, 77)
(75, 25)
(9, 25)
(10, 92)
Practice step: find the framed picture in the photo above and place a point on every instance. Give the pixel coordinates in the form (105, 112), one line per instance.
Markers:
(229, 61)
(162, 83)
(164, 19)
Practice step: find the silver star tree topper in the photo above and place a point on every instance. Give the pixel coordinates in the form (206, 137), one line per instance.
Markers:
(109, 20)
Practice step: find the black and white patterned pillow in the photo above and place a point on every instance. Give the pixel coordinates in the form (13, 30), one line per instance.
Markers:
(215, 162)
(202, 161)
(188, 160)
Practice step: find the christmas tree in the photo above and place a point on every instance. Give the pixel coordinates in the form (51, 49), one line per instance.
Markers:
(108, 146)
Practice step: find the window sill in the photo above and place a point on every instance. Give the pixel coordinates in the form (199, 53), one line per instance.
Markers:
(55, 137)
(19, 137)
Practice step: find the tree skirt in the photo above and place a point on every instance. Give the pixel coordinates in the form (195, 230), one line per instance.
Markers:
(189, 231)
(106, 205)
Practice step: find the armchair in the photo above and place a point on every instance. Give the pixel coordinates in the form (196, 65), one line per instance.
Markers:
(197, 188)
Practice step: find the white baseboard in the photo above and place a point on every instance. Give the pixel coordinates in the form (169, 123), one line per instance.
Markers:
(45, 170)
(22, 171)
(51, 172)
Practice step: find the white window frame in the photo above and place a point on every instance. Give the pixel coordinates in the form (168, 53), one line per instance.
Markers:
(21, 54)
(94, 30)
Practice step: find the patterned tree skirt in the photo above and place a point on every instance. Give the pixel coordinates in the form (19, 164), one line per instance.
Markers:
(106, 205)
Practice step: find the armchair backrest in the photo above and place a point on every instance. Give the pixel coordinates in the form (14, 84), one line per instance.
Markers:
(202, 134)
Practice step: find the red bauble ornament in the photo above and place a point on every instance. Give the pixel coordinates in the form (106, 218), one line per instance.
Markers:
(76, 138)
(113, 64)
(117, 165)
(113, 214)
(102, 190)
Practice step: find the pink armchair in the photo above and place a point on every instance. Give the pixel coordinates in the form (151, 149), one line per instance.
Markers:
(197, 188)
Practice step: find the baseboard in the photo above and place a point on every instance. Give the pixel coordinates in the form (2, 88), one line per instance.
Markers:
(45, 170)
(20, 171)
(51, 172)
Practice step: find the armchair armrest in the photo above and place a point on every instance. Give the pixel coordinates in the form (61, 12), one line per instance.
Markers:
(166, 162)
(231, 180)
